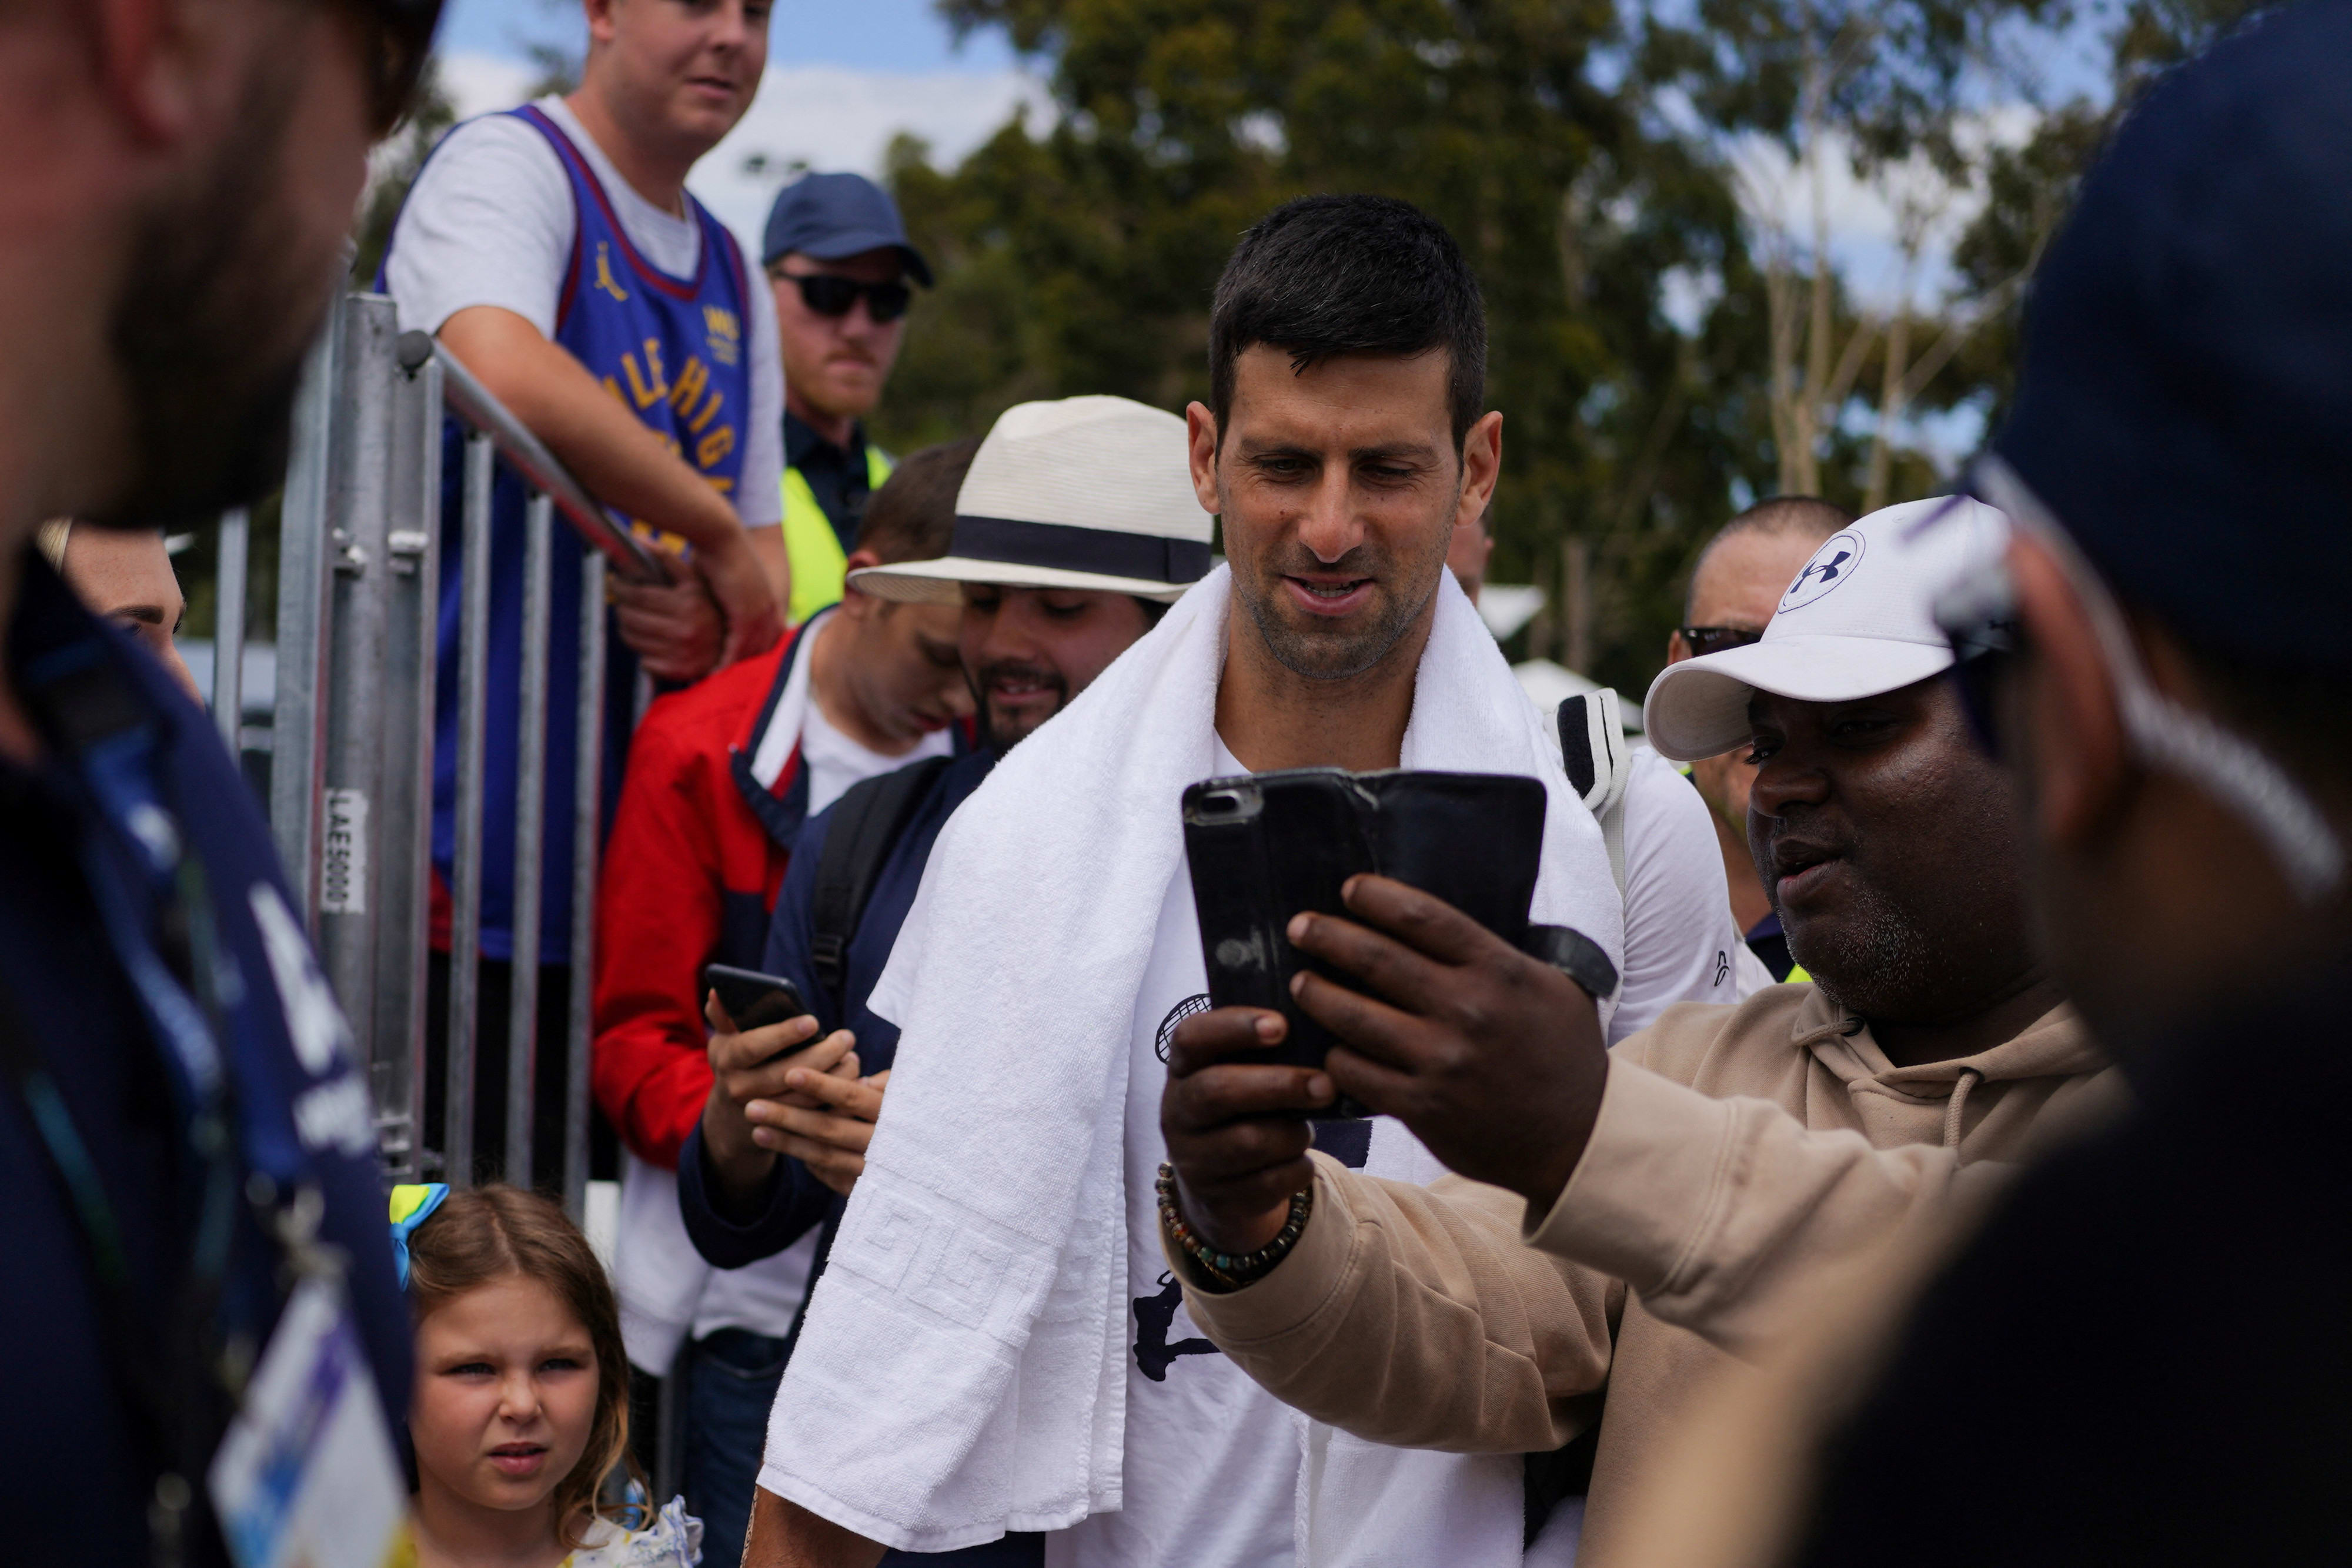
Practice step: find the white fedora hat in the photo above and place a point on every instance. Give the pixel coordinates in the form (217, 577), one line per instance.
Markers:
(1859, 620)
(1091, 493)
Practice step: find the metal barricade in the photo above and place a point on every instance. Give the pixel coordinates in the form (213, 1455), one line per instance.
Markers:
(351, 769)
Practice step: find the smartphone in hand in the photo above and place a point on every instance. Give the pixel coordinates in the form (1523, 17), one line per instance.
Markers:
(753, 999)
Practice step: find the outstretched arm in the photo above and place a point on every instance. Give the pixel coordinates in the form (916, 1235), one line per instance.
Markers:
(1406, 1315)
(632, 470)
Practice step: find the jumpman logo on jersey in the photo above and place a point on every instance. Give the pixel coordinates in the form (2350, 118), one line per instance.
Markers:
(605, 272)
(1154, 1316)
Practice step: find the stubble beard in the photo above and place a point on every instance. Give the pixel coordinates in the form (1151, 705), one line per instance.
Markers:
(1338, 652)
(210, 330)
(1881, 963)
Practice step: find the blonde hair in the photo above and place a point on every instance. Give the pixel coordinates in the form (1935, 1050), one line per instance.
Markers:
(486, 1233)
(51, 540)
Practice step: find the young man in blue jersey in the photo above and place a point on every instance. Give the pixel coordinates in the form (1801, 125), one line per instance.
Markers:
(556, 252)
(184, 1133)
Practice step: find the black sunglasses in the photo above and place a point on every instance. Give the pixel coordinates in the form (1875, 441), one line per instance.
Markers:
(1702, 640)
(829, 294)
(399, 42)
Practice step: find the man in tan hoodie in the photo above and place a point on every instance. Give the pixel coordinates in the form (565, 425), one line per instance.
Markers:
(1637, 1214)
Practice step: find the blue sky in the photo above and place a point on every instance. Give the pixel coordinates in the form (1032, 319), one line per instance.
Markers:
(872, 34)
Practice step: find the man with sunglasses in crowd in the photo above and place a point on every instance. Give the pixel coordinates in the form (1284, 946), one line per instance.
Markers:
(1659, 1209)
(194, 1228)
(1737, 579)
(838, 261)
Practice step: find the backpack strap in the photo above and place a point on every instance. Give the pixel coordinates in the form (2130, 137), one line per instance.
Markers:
(1593, 748)
(867, 822)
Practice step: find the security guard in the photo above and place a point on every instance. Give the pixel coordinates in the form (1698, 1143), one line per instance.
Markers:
(837, 257)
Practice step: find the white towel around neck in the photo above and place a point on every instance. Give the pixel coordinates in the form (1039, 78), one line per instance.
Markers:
(960, 1370)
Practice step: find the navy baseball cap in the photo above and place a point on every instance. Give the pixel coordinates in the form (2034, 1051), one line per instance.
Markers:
(830, 217)
(2185, 406)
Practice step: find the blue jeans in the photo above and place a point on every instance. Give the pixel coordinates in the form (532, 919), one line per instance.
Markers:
(730, 1384)
(731, 1387)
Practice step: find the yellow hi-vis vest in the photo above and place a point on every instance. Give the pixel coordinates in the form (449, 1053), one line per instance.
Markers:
(820, 566)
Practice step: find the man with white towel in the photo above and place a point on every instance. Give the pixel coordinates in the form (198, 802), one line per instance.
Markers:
(998, 1344)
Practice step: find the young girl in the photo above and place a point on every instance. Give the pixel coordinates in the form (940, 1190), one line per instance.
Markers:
(522, 1407)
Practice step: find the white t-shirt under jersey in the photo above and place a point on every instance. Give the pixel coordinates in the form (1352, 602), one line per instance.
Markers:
(490, 222)
(834, 762)
(1209, 1476)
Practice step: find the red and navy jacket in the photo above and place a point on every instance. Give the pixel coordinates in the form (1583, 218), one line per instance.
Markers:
(714, 796)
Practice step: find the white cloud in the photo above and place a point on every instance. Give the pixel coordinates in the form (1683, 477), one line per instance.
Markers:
(1864, 216)
(477, 84)
(842, 118)
(816, 117)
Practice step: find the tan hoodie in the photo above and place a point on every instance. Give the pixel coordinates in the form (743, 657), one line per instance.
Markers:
(1740, 1153)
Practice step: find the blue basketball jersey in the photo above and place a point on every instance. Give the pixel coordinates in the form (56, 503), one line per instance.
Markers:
(672, 351)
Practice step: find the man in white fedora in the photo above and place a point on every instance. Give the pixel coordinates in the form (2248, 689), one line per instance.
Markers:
(998, 1344)
(1075, 529)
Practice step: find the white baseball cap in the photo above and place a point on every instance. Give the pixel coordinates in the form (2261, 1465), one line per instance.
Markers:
(1858, 621)
(1092, 493)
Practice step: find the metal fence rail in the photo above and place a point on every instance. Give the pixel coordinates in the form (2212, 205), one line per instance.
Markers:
(350, 797)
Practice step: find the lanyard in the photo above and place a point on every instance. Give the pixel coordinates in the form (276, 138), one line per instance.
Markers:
(131, 845)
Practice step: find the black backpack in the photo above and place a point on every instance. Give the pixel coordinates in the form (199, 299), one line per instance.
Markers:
(867, 822)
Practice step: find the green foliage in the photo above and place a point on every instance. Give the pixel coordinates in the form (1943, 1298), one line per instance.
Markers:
(2028, 189)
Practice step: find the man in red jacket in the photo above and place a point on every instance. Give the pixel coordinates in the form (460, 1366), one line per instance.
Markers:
(721, 777)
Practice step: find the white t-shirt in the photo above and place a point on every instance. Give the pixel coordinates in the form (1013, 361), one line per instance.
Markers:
(490, 222)
(834, 762)
(1681, 943)
(765, 1296)
(1210, 1477)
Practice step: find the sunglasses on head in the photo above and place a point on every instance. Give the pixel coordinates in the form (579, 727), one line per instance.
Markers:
(829, 294)
(1705, 640)
(399, 36)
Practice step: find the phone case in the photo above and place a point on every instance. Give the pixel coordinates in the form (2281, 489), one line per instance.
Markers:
(1262, 848)
(753, 999)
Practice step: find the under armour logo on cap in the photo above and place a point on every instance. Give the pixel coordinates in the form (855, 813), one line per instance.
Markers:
(1831, 564)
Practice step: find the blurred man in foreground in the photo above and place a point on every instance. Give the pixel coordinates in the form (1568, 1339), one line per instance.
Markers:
(185, 1138)
(1680, 1197)
(1740, 578)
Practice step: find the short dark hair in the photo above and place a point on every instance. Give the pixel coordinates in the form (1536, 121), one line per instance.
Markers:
(1327, 275)
(1806, 515)
(912, 516)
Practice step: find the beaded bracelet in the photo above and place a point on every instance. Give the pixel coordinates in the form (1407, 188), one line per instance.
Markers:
(1228, 1271)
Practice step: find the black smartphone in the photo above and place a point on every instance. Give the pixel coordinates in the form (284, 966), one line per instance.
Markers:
(1263, 848)
(753, 999)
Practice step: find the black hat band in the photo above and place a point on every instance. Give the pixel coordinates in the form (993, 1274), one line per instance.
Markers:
(1066, 546)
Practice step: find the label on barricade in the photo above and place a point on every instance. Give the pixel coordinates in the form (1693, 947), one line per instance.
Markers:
(342, 872)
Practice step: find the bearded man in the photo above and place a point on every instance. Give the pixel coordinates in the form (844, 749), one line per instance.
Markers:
(997, 1344)
(194, 1213)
